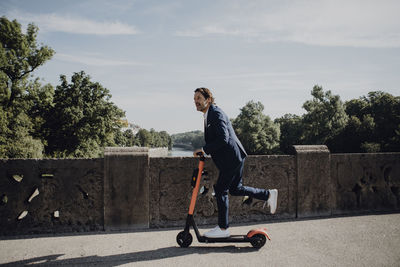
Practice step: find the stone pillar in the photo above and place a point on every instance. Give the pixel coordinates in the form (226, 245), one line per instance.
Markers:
(314, 185)
(126, 188)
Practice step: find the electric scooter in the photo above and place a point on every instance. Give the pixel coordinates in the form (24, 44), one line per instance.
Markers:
(257, 237)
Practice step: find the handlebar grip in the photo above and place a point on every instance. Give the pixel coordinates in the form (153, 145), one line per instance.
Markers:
(201, 155)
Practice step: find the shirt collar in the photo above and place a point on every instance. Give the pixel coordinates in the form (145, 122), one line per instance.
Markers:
(205, 114)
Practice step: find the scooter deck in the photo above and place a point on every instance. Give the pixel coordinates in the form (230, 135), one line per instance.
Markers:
(230, 239)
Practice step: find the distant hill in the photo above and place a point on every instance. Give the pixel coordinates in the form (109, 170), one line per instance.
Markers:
(189, 140)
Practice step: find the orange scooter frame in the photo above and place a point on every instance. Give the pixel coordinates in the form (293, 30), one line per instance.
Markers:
(257, 237)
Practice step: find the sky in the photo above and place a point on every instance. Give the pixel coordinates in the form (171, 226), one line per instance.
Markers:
(152, 55)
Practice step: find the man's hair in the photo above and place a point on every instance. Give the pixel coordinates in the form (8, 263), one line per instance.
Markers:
(206, 93)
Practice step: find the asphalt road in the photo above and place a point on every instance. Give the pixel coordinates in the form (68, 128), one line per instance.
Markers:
(372, 240)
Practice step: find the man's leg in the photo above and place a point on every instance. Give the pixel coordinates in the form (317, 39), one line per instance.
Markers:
(231, 181)
(223, 207)
(236, 187)
(221, 194)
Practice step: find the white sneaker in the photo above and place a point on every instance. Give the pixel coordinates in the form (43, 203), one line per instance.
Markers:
(217, 233)
(273, 200)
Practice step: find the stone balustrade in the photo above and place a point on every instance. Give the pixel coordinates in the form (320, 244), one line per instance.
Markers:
(140, 188)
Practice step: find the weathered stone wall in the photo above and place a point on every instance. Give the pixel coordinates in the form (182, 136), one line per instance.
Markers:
(314, 184)
(70, 195)
(131, 189)
(126, 189)
(170, 190)
(366, 182)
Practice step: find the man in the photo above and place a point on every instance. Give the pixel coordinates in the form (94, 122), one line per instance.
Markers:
(228, 155)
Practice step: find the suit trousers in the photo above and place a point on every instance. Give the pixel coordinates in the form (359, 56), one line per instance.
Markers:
(231, 181)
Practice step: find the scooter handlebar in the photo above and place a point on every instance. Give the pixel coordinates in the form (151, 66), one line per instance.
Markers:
(201, 155)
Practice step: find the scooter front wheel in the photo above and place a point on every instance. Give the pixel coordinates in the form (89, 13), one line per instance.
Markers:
(184, 239)
(258, 240)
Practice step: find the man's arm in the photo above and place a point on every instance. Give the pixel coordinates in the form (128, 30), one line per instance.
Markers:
(220, 126)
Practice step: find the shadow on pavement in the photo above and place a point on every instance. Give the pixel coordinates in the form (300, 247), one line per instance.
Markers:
(115, 260)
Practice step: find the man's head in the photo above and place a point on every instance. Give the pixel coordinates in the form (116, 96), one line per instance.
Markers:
(203, 98)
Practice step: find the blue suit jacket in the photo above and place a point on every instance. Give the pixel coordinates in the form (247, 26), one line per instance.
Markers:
(221, 141)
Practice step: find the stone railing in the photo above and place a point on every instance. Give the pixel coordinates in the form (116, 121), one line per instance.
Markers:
(70, 195)
(138, 188)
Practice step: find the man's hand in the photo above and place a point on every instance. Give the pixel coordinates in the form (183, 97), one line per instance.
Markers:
(197, 152)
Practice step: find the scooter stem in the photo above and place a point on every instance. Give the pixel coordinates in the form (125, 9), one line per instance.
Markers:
(196, 188)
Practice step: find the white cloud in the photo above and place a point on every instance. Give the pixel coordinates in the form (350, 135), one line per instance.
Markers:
(74, 24)
(360, 23)
(95, 60)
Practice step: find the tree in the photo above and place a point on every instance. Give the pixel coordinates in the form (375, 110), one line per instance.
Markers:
(144, 138)
(39, 102)
(166, 140)
(83, 120)
(256, 131)
(19, 56)
(291, 128)
(125, 139)
(15, 138)
(374, 124)
(385, 111)
(325, 117)
(153, 138)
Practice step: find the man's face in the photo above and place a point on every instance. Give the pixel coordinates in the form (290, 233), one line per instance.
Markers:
(200, 102)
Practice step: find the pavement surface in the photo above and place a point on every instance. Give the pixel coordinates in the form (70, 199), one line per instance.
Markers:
(372, 240)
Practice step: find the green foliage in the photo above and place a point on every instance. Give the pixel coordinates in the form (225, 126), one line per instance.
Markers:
(76, 119)
(189, 140)
(370, 147)
(164, 140)
(291, 127)
(144, 138)
(256, 131)
(15, 138)
(385, 111)
(367, 124)
(153, 138)
(39, 101)
(125, 139)
(82, 120)
(374, 124)
(19, 56)
(325, 117)
(19, 122)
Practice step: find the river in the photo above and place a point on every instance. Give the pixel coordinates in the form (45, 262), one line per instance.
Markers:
(180, 152)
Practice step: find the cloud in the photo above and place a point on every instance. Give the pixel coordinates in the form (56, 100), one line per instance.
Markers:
(74, 24)
(359, 23)
(94, 60)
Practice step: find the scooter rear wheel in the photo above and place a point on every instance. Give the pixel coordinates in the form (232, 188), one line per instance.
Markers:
(184, 239)
(258, 240)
